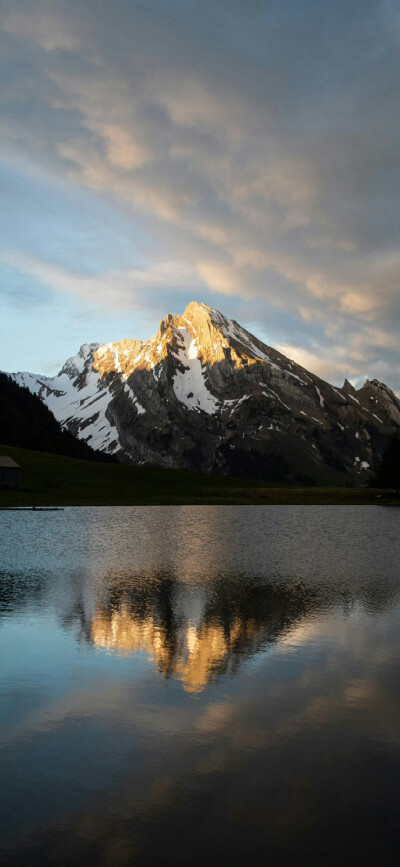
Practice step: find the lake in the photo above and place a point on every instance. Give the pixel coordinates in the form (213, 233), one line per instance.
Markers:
(200, 685)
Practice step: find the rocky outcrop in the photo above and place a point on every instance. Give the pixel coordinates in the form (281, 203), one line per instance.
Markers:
(205, 393)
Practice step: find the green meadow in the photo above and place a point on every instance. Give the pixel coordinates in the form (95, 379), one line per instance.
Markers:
(48, 479)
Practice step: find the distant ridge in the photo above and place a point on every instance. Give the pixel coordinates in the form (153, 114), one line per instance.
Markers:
(204, 393)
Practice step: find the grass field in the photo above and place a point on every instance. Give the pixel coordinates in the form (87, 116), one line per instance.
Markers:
(55, 480)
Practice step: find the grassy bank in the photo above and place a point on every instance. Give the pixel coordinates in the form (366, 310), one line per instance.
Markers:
(49, 479)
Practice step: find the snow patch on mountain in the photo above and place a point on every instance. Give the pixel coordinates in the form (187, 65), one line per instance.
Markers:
(83, 405)
(189, 385)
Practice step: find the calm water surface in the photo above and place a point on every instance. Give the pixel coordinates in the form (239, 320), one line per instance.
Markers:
(200, 685)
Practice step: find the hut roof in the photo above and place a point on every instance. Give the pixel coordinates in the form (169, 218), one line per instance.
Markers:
(5, 461)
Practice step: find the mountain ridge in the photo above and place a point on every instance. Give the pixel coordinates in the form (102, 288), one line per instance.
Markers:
(205, 393)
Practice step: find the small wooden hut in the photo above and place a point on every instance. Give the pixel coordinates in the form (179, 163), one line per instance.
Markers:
(10, 473)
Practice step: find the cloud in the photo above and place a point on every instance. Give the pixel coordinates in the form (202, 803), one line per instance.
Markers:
(122, 289)
(256, 157)
(45, 30)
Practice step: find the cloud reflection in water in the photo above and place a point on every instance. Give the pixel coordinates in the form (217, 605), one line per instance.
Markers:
(239, 702)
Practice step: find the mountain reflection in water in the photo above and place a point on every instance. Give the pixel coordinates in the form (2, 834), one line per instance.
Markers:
(200, 685)
(196, 636)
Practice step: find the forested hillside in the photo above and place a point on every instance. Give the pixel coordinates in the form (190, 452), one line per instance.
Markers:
(26, 422)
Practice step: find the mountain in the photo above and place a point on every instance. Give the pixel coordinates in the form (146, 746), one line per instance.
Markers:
(26, 422)
(205, 393)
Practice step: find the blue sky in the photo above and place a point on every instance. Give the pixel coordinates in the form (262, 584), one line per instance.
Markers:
(153, 153)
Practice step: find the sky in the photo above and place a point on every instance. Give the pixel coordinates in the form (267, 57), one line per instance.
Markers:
(156, 152)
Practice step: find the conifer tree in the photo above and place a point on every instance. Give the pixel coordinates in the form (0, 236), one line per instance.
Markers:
(388, 474)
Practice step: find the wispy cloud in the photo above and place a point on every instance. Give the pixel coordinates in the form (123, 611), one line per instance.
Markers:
(250, 155)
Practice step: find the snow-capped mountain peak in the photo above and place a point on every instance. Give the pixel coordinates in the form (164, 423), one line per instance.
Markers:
(204, 392)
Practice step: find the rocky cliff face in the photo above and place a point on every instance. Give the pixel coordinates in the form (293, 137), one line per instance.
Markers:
(204, 393)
